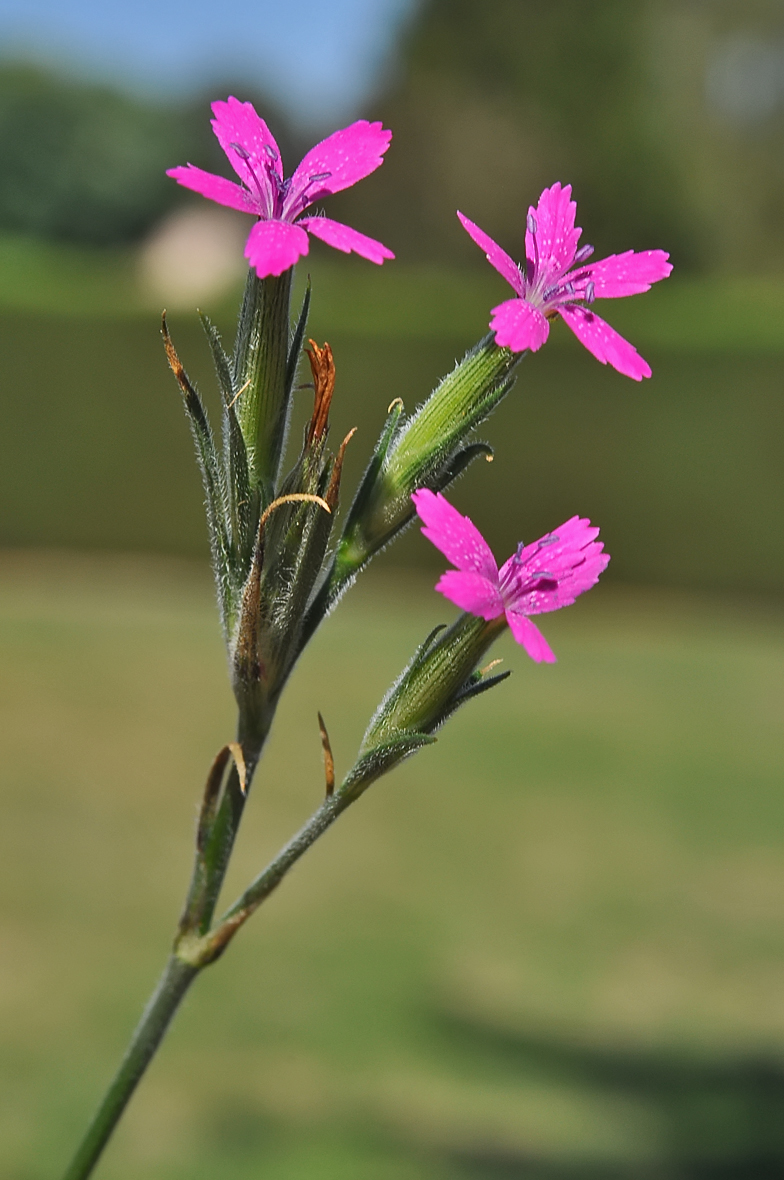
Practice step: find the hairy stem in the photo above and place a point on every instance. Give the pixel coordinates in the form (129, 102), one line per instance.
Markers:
(269, 879)
(209, 871)
(165, 1000)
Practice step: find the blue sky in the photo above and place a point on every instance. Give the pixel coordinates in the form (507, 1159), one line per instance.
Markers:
(320, 58)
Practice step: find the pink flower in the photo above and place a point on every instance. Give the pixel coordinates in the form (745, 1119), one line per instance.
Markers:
(279, 237)
(548, 287)
(542, 576)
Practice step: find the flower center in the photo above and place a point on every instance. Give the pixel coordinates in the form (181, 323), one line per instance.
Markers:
(298, 202)
(541, 580)
(271, 195)
(569, 287)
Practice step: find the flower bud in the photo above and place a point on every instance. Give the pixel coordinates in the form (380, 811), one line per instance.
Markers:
(429, 450)
(441, 676)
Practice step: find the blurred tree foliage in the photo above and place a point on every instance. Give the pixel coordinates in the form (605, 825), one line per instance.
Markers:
(667, 116)
(85, 163)
(80, 162)
(494, 99)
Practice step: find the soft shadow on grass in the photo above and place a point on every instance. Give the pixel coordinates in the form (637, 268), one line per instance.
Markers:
(716, 1116)
(551, 944)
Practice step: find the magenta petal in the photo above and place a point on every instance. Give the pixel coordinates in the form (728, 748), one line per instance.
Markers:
(236, 122)
(518, 325)
(556, 234)
(530, 637)
(556, 551)
(336, 163)
(215, 188)
(274, 246)
(627, 274)
(607, 345)
(583, 576)
(553, 571)
(455, 535)
(472, 592)
(506, 266)
(344, 238)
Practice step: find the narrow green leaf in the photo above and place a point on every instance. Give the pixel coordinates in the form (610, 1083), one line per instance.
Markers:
(458, 464)
(295, 349)
(212, 477)
(219, 359)
(242, 503)
(380, 451)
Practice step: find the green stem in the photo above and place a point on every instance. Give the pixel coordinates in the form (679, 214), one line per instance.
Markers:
(268, 880)
(208, 873)
(166, 998)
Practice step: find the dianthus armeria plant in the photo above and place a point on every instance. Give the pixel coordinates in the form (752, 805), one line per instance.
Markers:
(282, 553)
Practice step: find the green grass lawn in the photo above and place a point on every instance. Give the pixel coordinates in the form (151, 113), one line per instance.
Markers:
(549, 947)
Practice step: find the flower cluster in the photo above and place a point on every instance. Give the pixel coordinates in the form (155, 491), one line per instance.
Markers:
(281, 566)
(418, 457)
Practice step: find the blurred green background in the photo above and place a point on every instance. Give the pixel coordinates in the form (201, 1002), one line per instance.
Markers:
(551, 948)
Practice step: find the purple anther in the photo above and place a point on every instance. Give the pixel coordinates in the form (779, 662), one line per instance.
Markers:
(242, 152)
(590, 292)
(320, 176)
(531, 224)
(553, 539)
(583, 253)
(269, 149)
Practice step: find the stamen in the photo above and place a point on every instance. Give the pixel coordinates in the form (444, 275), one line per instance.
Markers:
(583, 253)
(269, 149)
(558, 289)
(245, 156)
(590, 292)
(302, 199)
(532, 265)
(552, 539)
